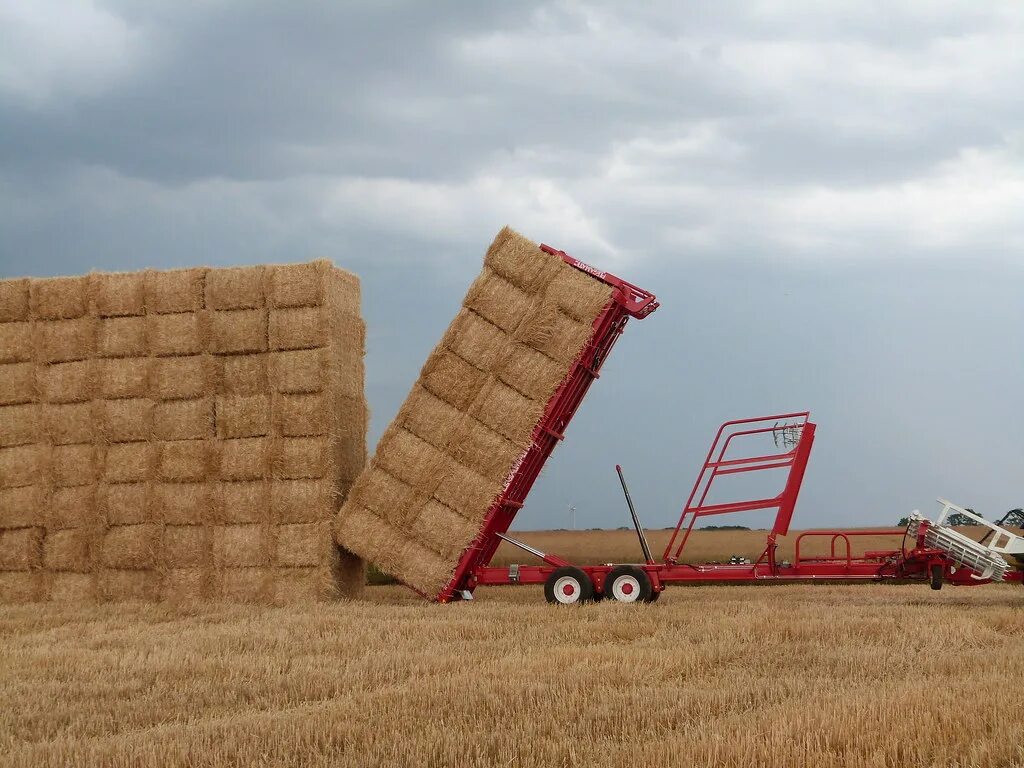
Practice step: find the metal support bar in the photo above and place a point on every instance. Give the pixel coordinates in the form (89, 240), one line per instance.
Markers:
(636, 518)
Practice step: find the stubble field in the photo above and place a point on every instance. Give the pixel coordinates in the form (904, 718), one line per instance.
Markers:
(858, 675)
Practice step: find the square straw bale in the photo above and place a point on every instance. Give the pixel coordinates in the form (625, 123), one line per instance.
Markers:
(386, 496)
(443, 530)
(242, 416)
(182, 585)
(72, 465)
(303, 544)
(578, 295)
(68, 550)
(124, 504)
(23, 506)
(59, 298)
(245, 501)
(73, 507)
(302, 585)
(116, 585)
(477, 341)
(297, 328)
(21, 587)
(173, 335)
(73, 382)
(299, 371)
(16, 343)
(297, 458)
(129, 547)
(531, 373)
(127, 377)
(298, 285)
(21, 549)
(129, 462)
(66, 423)
(301, 415)
(184, 503)
(348, 437)
(412, 460)
(118, 294)
(243, 374)
(126, 420)
(58, 341)
(465, 491)
(17, 383)
(521, 262)
(122, 337)
(19, 424)
(242, 546)
(244, 458)
(238, 330)
(247, 585)
(14, 304)
(184, 419)
(554, 333)
(509, 413)
(70, 588)
(480, 448)
(22, 465)
(235, 288)
(347, 575)
(346, 371)
(186, 460)
(449, 377)
(430, 418)
(301, 501)
(172, 291)
(183, 378)
(499, 301)
(187, 546)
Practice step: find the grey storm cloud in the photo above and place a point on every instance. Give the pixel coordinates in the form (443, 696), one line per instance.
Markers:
(826, 197)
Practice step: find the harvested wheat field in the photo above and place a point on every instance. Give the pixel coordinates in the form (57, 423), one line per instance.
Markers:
(861, 675)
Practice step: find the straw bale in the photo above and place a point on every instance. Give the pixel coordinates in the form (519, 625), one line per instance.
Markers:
(443, 530)
(238, 330)
(521, 262)
(297, 285)
(255, 585)
(346, 371)
(21, 586)
(68, 550)
(235, 288)
(71, 588)
(178, 334)
(118, 294)
(297, 458)
(243, 374)
(299, 371)
(243, 416)
(125, 504)
(186, 460)
(386, 496)
(476, 340)
(184, 419)
(130, 547)
(509, 413)
(467, 492)
(187, 546)
(244, 501)
(177, 290)
(125, 420)
(72, 507)
(297, 328)
(242, 546)
(532, 373)
(244, 458)
(22, 506)
(301, 501)
(302, 544)
(301, 415)
(347, 574)
(21, 549)
(452, 379)
(498, 301)
(14, 304)
(128, 377)
(578, 295)
(554, 333)
(22, 465)
(185, 584)
(480, 448)
(348, 437)
(410, 459)
(182, 378)
(58, 341)
(72, 465)
(429, 418)
(16, 342)
(122, 337)
(67, 382)
(183, 503)
(300, 585)
(129, 585)
(129, 462)
(19, 424)
(59, 298)
(68, 423)
(17, 383)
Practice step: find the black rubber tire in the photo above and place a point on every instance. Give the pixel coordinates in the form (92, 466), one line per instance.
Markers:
(655, 594)
(586, 586)
(643, 581)
(937, 574)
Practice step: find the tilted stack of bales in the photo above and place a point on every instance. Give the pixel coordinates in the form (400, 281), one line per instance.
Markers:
(470, 417)
(179, 434)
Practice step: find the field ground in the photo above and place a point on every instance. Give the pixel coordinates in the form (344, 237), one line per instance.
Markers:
(794, 675)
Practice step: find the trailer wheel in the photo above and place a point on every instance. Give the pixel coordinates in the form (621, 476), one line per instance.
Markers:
(937, 576)
(628, 584)
(655, 595)
(568, 585)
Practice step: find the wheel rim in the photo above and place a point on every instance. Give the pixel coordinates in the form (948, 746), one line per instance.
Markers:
(626, 589)
(567, 590)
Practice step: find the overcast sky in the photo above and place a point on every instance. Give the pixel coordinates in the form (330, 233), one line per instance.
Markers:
(828, 199)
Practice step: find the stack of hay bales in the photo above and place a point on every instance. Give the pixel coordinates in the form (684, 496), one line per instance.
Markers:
(470, 417)
(179, 434)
